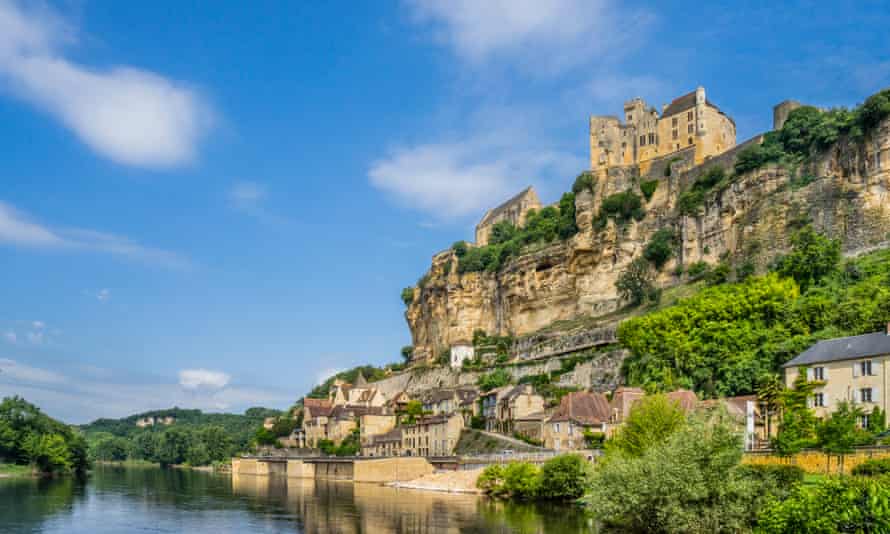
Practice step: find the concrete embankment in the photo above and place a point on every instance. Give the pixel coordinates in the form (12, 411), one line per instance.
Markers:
(377, 470)
(444, 481)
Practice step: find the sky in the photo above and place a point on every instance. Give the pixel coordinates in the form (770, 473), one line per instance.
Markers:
(216, 204)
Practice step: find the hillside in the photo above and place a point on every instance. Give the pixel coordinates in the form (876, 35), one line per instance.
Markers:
(234, 424)
(552, 287)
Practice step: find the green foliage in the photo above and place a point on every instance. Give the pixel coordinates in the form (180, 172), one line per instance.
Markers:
(797, 430)
(839, 432)
(813, 257)
(836, 504)
(521, 480)
(652, 420)
(718, 341)
(584, 182)
(477, 422)
(784, 478)
(635, 284)
(370, 373)
(719, 274)
(622, 207)
(495, 379)
(691, 483)
(667, 166)
(690, 201)
(877, 421)
(756, 156)
(407, 353)
(648, 187)
(491, 480)
(408, 295)
(460, 248)
(698, 269)
(109, 448)
(594, 440)
(28, 436)
(564, 477)
(873, 467)
(875, 109)
(661, 247)
(545, 226)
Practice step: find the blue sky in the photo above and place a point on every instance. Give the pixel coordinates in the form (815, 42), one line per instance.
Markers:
(215, 204)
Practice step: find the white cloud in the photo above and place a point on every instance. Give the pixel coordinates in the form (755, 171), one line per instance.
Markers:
(131, 116)
(544, 35)
(17, 229)
(11, 369)
(202, 378)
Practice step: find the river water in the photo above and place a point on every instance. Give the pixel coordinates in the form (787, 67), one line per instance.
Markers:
(117, 499)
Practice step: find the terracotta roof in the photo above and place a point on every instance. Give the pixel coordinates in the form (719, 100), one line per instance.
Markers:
(583, 407)
(685, 398)
(317, 407)
(505, 206)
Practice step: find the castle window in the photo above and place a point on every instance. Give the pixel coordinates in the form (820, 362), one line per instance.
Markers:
(689, 116)
(652, 139)
(690, 128)
(675, 134)
(642, 140)
(630, 118)
(690, 140)
(674, 122)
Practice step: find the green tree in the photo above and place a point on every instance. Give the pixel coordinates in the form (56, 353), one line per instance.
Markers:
(408, 295)
(839, 432)
(521, 480)
(691, 483)
(564, 477)
(407, 353)
(661, 247)
(812, 258)
(217, 441)
(173, 446)
(769, 395)
(110, 449)
(197, 454)
(635, 284)
(798, 427)
(501, 232)
(651, 421)
(495, 379)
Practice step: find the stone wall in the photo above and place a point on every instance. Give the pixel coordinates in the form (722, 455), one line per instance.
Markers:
(818, 461)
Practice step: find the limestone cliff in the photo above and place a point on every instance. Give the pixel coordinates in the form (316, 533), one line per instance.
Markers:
(842, 191)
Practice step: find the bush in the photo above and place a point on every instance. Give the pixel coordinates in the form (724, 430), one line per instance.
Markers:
(648, 188)
(408, 295)
(584, 182)
(495, 379)
(837, 504)
(635, 284)
(698, 269)
(754, 157)
(491, 480)
(407, 352)
(564, 477)
(521, 480)
(813, 257)
(460, 248)
(690, 201)
(873, 467)
(622, 207)
(651, 421)
(783, 478)
(661, 247)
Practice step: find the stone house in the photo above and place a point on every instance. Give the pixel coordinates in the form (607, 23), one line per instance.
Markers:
(519, 401)
(685, 399)
(452, 400)
(689, 122)
(577, 412)
(853, 369)
(375, 423)
(489, 406)
(386, 444)
(622, 399)
(531, 425)
(514, 210)
(434, 435)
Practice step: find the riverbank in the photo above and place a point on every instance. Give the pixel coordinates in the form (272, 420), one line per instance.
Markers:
(444, 481)
(16, 471)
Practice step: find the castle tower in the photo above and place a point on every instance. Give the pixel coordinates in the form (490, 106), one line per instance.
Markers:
(700, 102)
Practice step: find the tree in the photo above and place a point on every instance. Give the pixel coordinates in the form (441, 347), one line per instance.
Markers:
(197, 454)
(564, 477)
(691, 483)
(501, 232)
(798, 427)
(838, 433)
(413, 410)
(407, 353)
(769, 395)
(877, 421)
(408, 295)
(652, 420)
(173, 446)
(661, 247)
(521, 480)
(495, 379)
(813, 257)
(111, 449)
(217, 442)
(635, 283)
(48, 452)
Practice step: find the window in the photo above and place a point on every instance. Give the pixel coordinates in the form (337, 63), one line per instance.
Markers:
(652, 139)
(863, 421)
(819, 400)
(674, 122)
(865, 395)
(675, 133)
(642, 140)
(630, 117)
(556, 426)
(690, 128)
(819, 373)
(689, 115)
(570, 429)
(690, 140)
(865, 368)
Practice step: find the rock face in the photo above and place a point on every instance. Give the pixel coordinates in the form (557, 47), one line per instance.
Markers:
(842, 192)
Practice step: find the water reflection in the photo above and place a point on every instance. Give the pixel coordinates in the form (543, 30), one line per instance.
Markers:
(162, 500)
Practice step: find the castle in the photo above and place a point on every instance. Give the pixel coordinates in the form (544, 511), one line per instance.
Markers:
(689, 121)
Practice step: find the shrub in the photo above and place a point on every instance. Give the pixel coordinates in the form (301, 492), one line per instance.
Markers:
(873, 467)
(661, 247)
(584, 181)
(408, 296)
(407, 352)
(690, 202)
(837, 504)
(813, 257)
(564, 477)
(756, 156)
(635, 285)
(491, 480)
(623, 207)
(698, 269)
(594, 440)
(502, 232)
(648, 188)
(652, 420)
(875, 109)
(495, 379)
(460, 248)
(521, 480)
(477, 422)
(783, 478)
(718, 275)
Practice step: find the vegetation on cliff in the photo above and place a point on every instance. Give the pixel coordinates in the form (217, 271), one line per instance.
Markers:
(721, 340)
(30, 437)
(506, 241)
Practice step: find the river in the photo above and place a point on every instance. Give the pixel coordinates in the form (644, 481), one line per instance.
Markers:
(145, 499)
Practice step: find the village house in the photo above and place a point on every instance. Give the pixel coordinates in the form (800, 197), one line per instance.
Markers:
(489, 401)
(622, 400)
(348, 408)
(519, 401)
(374, 422)
(852, 369)
(531, 426)
(386, 444)
(578, 412)
(434, 435)
(447, 401)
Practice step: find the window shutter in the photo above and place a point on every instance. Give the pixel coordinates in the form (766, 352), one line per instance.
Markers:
(825, 399)
(876, 396)
(810, 402)
(809, 374)
(857, 397)
(856, 369)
